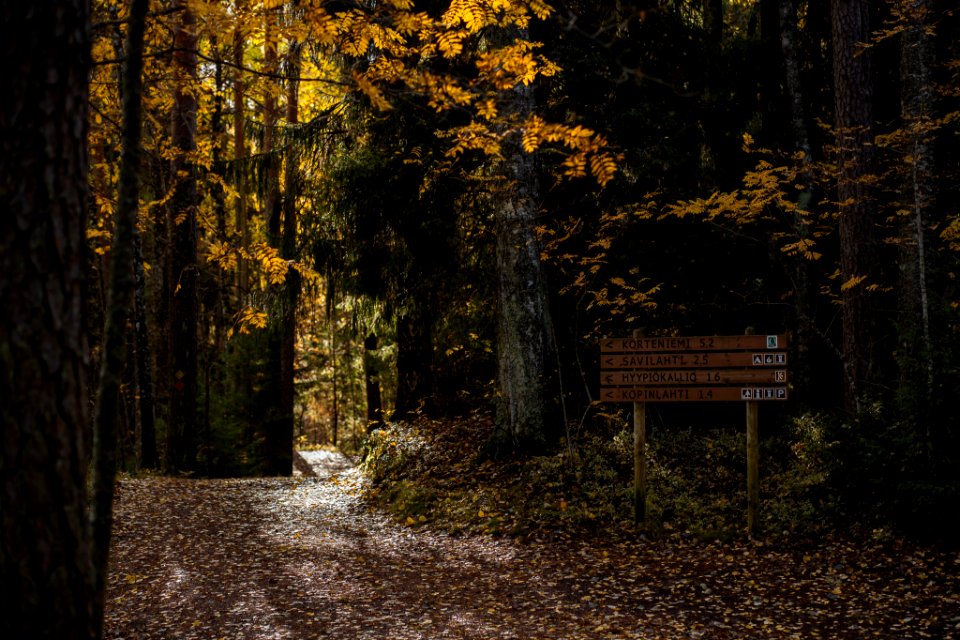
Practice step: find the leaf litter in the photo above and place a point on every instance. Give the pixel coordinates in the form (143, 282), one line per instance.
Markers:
(306, 557)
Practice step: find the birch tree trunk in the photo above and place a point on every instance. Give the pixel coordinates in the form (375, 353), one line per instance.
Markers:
(916, 356)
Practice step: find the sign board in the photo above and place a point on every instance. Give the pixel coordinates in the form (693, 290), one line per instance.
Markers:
(694, 369)
(705, 343)
(747, 368)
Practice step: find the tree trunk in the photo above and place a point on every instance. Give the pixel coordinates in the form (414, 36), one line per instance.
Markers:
(182, 422)
(331, 310)
(803, 290)
(271, 207)
(148, 458)
(770, 70)
(415, 387)
(522, 310)
(713, 22)
(162, 287)
(239, 153)
(371, 378)
(119, 303)
(46, 564)
(853, 124)
(916, 356)
(276, 457)
(290, 294)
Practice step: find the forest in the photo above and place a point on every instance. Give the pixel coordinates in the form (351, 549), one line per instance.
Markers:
(238, 236)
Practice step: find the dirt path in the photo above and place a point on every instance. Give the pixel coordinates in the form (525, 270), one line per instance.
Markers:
(301, 558)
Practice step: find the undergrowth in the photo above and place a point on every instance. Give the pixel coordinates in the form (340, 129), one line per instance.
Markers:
(429, 472)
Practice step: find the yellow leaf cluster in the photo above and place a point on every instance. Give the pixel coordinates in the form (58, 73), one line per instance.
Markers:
(450, 43)
(270, 262)
(222, 255)
(372, 92)
(803, 248)
(248, 319)
(487, 109)
(473, 14)
(540, 9)
(322, 27)
(509, 66)
(603, 166)
(952, 233)
(852, 282)
(476, 137)
(588, 148)
(409, 23)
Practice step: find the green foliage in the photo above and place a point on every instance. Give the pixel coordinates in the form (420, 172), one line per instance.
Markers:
(883, 473)
(232, 439)
(795, 475)
(697, 481)
(390, 453)
(432, 472)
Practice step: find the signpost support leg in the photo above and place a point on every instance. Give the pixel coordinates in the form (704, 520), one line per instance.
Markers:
(753, 467)
(639, 462)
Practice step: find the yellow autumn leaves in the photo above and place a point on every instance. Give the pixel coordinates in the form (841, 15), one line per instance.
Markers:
(403, 40)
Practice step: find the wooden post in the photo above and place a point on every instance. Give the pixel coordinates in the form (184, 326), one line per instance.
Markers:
(753, 461)
(639, 456)
(753, 466)
(639, 462)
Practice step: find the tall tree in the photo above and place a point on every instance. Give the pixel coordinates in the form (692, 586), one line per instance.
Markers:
(853, 127)
(713, 22)
(240, 148)
(918, 98)
(46, 566)
(290, 294)
(148, 457)
(119, 302)
(182, 420)
(523, 315)
(277, 460)
(803, 292)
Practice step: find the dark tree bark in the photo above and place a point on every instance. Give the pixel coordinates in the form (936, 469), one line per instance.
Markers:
(853, 125)
(182, 421)
(771, 76)
(281, 436)
(119, 302)
(523, 316)
(277, 447)
(713, 22)
(46, 566)
(239, 153)
(148, 458)
(415, 383)
(271, 207)
(803, 290)
(371, 378)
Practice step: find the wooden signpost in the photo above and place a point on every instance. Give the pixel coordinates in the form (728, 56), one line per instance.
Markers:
(748, 368)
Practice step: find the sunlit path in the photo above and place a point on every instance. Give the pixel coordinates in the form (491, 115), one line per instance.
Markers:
(303, 558)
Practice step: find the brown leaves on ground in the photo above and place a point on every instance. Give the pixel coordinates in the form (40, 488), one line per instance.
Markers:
(303, 558)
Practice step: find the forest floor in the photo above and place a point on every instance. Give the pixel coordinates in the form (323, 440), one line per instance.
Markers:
(307, 557)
